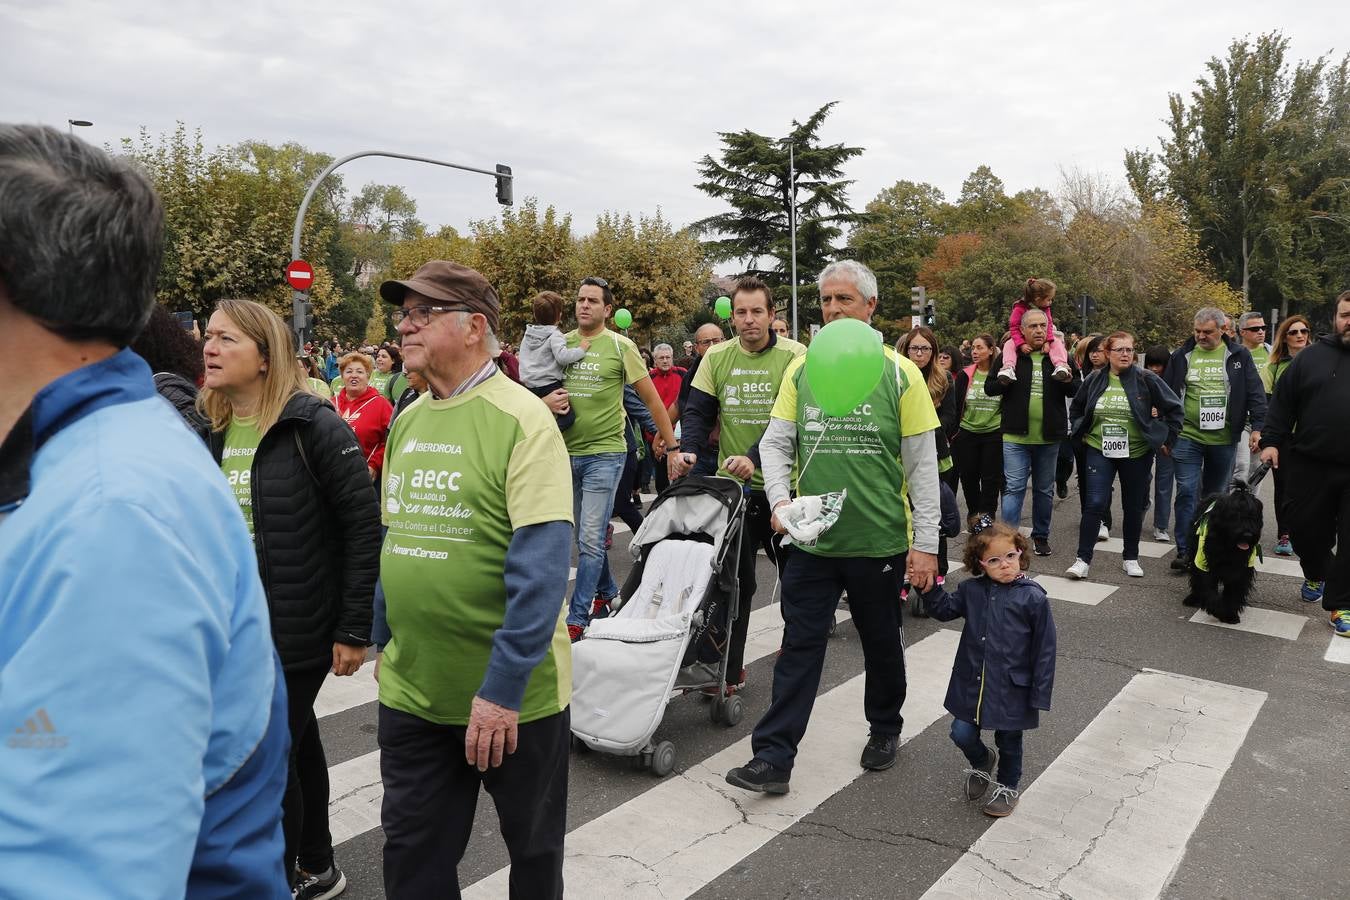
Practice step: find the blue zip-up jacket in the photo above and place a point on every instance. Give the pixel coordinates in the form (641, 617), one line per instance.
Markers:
(141, 700)
(1145, 392)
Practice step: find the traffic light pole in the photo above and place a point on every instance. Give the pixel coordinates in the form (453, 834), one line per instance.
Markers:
(505, 181)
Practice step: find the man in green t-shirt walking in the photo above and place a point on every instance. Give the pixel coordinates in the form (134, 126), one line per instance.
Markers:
(593, 387)
(1221, 395)
(882, 457)
(1252, 330)
(735, 387)
(475, 669)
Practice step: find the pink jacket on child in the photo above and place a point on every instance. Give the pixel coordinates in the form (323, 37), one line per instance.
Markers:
(1015, 323)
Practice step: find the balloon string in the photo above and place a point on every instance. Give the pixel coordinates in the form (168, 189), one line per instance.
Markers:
(812, 454)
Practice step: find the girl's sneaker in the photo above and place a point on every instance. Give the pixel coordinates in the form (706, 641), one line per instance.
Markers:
(1002, 803)
(1062, 373)
(1006, 375)
(1283, 547)
(978, 778)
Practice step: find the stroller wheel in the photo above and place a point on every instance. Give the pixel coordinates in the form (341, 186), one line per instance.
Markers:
(715, 710)
(663, 759)
(732, 711)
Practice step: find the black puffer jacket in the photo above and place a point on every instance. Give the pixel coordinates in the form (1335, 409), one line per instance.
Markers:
(183, 395)
(316, 526)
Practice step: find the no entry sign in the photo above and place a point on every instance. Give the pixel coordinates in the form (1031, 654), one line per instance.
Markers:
(300, 275)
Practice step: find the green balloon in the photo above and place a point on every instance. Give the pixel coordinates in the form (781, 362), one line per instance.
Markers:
(623, 318)
(723, 307)
(843, 365)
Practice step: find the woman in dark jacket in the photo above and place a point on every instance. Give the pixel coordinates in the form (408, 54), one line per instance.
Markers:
(1121, 416)
(302, 484)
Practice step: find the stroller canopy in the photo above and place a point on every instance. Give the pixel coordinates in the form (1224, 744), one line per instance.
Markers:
(703, 505)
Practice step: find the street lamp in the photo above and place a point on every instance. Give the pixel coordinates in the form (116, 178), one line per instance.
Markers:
(82, 123)
(792, 225)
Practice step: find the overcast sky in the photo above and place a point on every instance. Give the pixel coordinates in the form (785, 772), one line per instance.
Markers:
(609, 106)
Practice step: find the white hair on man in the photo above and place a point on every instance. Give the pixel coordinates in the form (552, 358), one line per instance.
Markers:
(853, 271)
(1211, 314)
(666, 347)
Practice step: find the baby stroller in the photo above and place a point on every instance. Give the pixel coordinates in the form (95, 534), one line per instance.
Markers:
(668, 631)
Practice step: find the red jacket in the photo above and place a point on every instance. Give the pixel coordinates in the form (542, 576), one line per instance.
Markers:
(368, 415)
(668, 384)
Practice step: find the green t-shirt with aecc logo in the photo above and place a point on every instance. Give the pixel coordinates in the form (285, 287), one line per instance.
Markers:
(1205, 397)
(983, 413)
(241, 445)
(595, 389)
(745, 385)
(1035, 408)
(1115, 432)
(859, 452)
(461, 475)
(1260, 356)
(380, 380)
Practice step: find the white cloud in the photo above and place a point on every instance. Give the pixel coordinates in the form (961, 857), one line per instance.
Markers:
(609, 106)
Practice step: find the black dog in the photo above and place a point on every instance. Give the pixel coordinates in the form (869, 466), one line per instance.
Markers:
(1226, 537)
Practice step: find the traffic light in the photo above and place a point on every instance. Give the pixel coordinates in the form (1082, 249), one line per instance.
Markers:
(918, 299)
(504, 181)
(302, 316)
(930, 315)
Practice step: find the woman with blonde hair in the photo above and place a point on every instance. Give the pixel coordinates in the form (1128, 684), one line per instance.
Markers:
(308, 501)
(1293, 335)
(364, 408)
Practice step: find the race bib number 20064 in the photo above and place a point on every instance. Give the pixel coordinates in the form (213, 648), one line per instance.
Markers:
(1213, 413)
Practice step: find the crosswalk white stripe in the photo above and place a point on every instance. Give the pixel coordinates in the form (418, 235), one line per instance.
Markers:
(1111, 815)
(355, 790)
(1338, 651)
(1088, 593)
(707, 826)
(1255, 620)
(1148, 549)
(1290, 568)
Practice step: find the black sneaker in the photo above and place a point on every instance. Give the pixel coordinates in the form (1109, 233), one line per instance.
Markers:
(321, 886)
(879, 753)
(760, 775)
(978, 778)
(1062, 490)
(1181, 565)
(1042, 546)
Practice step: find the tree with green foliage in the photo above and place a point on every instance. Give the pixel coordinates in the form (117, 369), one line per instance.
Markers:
(522, 254)
(752, 177)
(655, 272)
(1257, 158)
(902, 227)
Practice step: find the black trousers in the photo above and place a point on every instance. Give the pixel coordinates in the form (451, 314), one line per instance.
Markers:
(564, 420)
(623, 496)
(979, 465)
(758, 533)
(811, 589)
(431, 793)
(1317, 507)
(304, 808)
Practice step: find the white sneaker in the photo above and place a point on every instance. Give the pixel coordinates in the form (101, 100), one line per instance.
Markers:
(1079, 569)
(1161, 536)
(1007, 375)
(1132, 568)
(1103, 533)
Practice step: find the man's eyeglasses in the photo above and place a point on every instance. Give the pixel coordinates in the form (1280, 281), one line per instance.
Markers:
(596, 281)
(421, 315)
(706, 341)
(1006, 559)
(1255, 328)
(1297, 331)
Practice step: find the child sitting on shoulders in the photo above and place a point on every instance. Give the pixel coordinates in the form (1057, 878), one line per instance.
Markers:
(1038, 294)
(1005, 664)
(544, 353)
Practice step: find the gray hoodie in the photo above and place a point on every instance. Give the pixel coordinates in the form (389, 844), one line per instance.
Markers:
(543, 353)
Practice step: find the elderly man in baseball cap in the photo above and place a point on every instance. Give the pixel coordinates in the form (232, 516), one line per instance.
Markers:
(474, 661)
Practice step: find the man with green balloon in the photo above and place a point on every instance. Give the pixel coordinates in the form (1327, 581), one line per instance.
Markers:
(858, 422)
(734, 389)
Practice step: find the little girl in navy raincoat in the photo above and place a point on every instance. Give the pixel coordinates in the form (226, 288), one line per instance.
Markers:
(1005, 664)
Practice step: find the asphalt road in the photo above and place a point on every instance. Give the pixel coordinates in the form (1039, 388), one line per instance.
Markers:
(1181, 759)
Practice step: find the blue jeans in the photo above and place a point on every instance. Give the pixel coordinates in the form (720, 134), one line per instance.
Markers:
(1037, 463)
(595, 478)
(966, 735)
(1098, 474)
(1201, 470)
(1162, 490)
